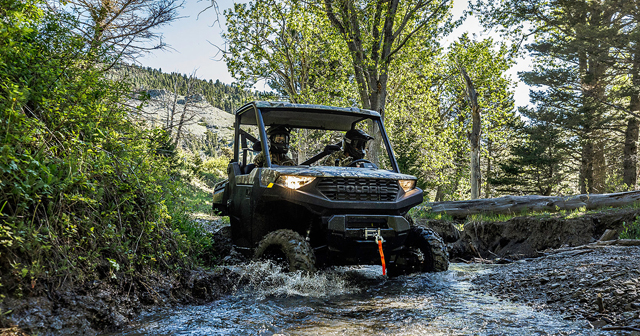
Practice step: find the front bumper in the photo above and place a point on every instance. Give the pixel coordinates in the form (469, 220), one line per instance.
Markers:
(352, 239)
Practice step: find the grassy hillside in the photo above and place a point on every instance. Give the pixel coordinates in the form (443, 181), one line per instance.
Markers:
(223, 96)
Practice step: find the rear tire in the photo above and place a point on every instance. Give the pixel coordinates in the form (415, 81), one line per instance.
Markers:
(426, 253)
(288, 248)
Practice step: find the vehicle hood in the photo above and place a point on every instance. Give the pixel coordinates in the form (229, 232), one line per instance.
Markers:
(324, 171)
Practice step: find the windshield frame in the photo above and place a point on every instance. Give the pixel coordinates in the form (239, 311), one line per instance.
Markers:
(254, 114)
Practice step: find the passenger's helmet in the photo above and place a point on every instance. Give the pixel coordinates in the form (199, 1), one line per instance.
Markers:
(354, 143)
(279, 139)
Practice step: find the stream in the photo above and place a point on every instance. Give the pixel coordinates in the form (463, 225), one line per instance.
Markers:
(357, 301)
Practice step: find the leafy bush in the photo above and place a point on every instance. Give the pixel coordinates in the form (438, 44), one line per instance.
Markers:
(84, 192)
(214, 170)
(631, 230)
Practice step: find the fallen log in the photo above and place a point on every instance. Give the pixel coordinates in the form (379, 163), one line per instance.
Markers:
(520, 204)
(620, 242)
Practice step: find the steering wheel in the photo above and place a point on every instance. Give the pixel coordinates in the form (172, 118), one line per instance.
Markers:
(365, 161)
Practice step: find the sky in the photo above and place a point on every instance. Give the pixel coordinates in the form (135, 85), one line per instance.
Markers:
(194, 40)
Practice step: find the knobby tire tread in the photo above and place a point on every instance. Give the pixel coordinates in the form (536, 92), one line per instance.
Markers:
(430, 242)
(297, 250)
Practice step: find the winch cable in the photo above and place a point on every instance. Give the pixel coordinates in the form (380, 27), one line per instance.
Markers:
(384, 266)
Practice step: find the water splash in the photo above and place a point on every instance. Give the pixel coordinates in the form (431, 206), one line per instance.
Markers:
(357, 301)
(267, 279)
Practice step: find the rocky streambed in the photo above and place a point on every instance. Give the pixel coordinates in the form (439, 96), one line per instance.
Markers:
(599, 283)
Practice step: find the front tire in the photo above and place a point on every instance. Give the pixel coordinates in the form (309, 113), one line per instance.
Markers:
(289, 248)
(426, 253)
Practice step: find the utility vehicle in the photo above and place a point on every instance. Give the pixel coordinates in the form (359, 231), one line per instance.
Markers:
(310, 215)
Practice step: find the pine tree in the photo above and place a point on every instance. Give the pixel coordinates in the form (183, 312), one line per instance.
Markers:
(536, 164)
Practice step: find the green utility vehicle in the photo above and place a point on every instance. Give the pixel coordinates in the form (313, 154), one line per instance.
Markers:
(315, 213)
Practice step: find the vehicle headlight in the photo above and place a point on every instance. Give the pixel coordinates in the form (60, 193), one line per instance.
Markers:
(407, 184)
(294, 182)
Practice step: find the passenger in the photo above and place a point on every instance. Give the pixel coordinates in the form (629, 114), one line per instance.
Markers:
(278, 148)
(353, 148)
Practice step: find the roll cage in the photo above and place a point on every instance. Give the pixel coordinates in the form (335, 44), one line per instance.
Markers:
(305, 116)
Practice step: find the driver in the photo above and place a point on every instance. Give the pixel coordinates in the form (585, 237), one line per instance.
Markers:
(353, 148)
(278, 148)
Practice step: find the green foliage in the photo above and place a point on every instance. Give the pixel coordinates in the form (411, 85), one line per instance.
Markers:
(631, 230)
(537, 157)
(288, 44)
(214, 170)
(428, 118)
(84, 193)
(294, 47)
(425, 213)
(586, 70)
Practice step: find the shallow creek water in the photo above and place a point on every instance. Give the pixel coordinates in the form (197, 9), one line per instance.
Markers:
(357, 301)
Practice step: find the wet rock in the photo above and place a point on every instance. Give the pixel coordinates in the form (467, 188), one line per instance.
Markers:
(118, 319)
(234, 257)
(555, 285)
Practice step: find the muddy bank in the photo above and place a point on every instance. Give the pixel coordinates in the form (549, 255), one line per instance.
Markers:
(526, 237)
(598, 283)
(110, 304)
(101, 306)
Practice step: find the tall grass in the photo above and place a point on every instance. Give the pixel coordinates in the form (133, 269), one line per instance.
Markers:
(631, 230)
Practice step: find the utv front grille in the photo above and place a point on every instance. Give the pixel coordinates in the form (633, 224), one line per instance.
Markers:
(358, 189)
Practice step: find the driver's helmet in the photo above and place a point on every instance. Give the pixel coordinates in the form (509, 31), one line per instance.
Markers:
(279, 139)
(354, 143)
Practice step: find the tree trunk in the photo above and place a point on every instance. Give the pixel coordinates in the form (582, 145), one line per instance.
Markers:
(373, 146)
(487, 189)
(302, 137)
(630, 162)
(599, 165)
(439, 194)
(630, 159)
(586, 168)
(474, 136)
(518, 204)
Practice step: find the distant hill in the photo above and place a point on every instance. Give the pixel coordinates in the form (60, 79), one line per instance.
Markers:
(200, 116)
(220, 95)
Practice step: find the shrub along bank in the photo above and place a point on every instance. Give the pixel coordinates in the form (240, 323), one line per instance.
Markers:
(85, 193)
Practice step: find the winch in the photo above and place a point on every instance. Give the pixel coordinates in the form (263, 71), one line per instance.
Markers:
(377, 236)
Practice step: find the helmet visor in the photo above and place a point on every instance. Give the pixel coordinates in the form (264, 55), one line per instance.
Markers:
(359, 144)
(280, 139)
